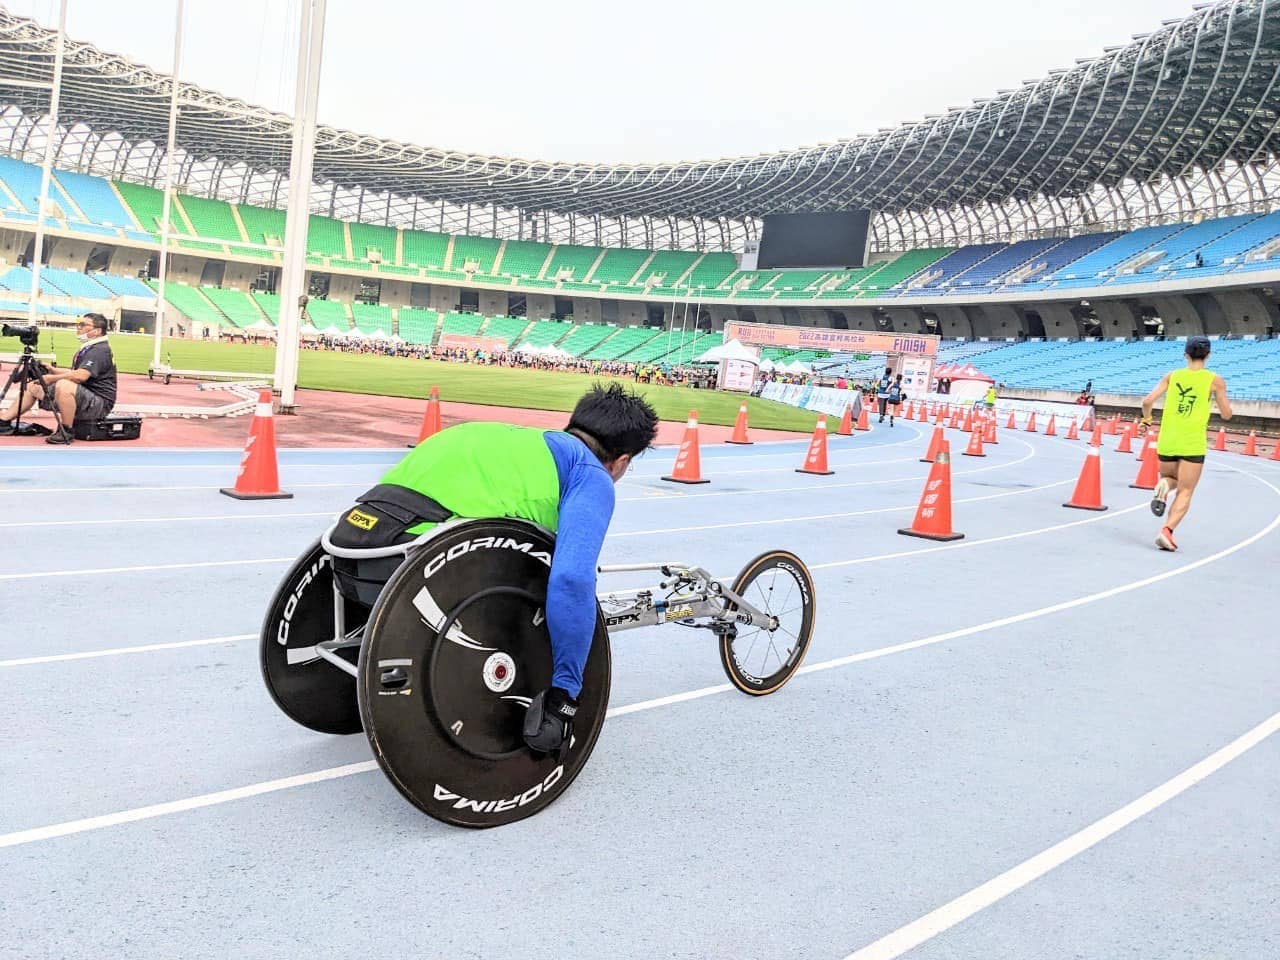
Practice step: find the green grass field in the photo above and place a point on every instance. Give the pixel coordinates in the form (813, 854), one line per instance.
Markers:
(401, 377)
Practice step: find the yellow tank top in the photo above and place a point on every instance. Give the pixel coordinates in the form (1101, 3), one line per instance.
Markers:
(1186, 414)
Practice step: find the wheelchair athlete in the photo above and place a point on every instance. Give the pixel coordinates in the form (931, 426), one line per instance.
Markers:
(560, 480)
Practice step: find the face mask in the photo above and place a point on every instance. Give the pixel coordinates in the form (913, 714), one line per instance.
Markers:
(82, 337)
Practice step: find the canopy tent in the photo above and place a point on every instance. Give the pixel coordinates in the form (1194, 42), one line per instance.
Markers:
(308, 331)
(335, 332)
(967, 382)
(260, 329)
(732, 350)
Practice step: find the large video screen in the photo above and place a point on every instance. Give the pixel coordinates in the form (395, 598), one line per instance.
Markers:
(814, 239)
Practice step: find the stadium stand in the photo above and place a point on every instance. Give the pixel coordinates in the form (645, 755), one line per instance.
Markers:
(667, 266)
(372, 318)
(621, 343)
(124, 286)
(328, 313)
(985, 273)
(893, 272)
(147, 206)
(367, 238)
(478, 250)
(236, 305)
(943, 272)
(523, 258)
(264, 225)
(462, 324)
(619, 265)
(545, 333)
(417, 326)
(1109, 256)
(582, 339)
(95, 198)
(269, 304)
(507, 328)
(576, 260)
(212, 219)
(191, 303)
(425, 249)
(73, 284)
(326, 237)
(712, 271)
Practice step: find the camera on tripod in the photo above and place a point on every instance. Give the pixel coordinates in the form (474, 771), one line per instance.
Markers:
(27, 334)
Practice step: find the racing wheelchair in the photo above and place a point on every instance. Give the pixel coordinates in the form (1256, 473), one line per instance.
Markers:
(435, 646)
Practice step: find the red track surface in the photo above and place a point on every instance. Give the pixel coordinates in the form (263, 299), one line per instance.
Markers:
(328, 419)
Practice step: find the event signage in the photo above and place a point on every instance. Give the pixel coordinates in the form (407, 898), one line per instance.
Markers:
(835, 341)
(737, 375)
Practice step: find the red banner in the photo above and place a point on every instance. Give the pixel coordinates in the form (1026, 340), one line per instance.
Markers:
(825, 338)
(462, 341)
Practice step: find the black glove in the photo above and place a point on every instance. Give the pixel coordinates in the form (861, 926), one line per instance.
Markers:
(548, 724)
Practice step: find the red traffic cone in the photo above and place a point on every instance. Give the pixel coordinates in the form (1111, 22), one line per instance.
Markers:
(1146, 444)
(935, 444)
(846, 422)
(430, 419)
(1109, 426)
(910, 411)
(968, 421)
(864, 422)
(938, 416)
(922, 415)
(258, 478)
(1088, 492)
(688, 468)
(1251, 445)
(1148, 473)
(1126, 440)
(1031, 423)
(1096, 439)
(1073, 431)
(974, 449)
(1275, 452)
(815, 460)
(954, 423)
(990, 435)
(1012, 424)
(933, 515)
(1052, 429)
(1220, 441)
(740, 428)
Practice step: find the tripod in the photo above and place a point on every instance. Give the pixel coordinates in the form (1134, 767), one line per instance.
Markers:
(27, 369)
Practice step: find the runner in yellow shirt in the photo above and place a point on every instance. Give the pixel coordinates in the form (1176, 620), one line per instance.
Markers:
(1183, 433)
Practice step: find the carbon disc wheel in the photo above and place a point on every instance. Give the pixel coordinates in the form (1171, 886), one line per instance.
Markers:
(456, 647)
(759, 660)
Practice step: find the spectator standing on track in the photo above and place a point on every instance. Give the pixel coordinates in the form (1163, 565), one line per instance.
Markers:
(882, 392)
(990, 398)
(1183, 438)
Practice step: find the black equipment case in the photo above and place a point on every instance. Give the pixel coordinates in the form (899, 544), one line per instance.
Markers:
(114, 426)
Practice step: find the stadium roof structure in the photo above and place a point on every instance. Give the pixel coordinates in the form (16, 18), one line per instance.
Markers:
(1079, 147)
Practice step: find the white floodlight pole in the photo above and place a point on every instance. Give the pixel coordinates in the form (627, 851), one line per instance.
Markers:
(310, 57)
(46, 166)
(166, 210)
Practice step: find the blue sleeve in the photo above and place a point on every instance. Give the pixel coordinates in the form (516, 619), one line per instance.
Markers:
(586, 507)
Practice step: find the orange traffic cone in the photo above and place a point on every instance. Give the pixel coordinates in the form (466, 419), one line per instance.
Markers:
(938, 417)
(1220, 441)
(1073, 431)
(1031, 422)
(1148, 473)
(935, 444)
(1251, 445)
(990, 436)
(1096, 439)
(258, 478)
(688, 467)
(846, 422)
(954, 423)
(431, 419)
(815, 461)
(1052, 429)
(1088, 492)
(1012, 424)
(740, 428)
(968, 421)
(1146, 445)
(1109, 426)
(910, 411)
(975, 444)
(1126, 440)
(922, 415)
(933, 515)
(1275, 452)
(864, 422)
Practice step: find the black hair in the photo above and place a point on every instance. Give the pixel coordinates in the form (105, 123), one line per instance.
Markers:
(98, 320)
(1198, 347)
(619, 422)
(888, 370)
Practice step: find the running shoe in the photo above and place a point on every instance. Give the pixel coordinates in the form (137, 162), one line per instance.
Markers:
(1165, 540)
(1160, 497)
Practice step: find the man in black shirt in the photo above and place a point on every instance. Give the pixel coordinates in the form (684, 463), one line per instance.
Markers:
(85, 392)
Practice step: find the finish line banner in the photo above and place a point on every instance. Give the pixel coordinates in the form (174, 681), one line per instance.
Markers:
(824, 338)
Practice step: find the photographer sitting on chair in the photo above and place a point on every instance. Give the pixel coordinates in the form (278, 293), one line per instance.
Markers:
(85, 392)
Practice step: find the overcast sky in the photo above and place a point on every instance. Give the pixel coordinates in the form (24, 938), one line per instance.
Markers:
(596, 81)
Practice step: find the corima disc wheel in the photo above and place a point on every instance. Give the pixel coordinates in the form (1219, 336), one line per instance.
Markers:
(759, 660)
(457, 645)
(309, 690)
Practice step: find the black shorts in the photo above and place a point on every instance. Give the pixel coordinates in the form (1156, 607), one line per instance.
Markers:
(90, 406)
(1174, 458)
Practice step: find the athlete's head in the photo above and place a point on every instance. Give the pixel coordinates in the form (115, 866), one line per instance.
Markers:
(1197, 348)
(618, 425)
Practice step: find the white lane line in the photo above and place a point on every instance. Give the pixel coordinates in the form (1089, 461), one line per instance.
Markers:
(118, 651)
(219, 517)
(118, 488)
(69, 827)
(143, 569)
(634, 533)
(963, 907)
(27, 661)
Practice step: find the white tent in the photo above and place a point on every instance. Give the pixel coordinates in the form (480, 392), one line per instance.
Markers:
(733, 350)
(260, 329)
(308, 331)
(396, 338)
(795, 366)
(355, 333)
(766, 366)
(335, 332)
